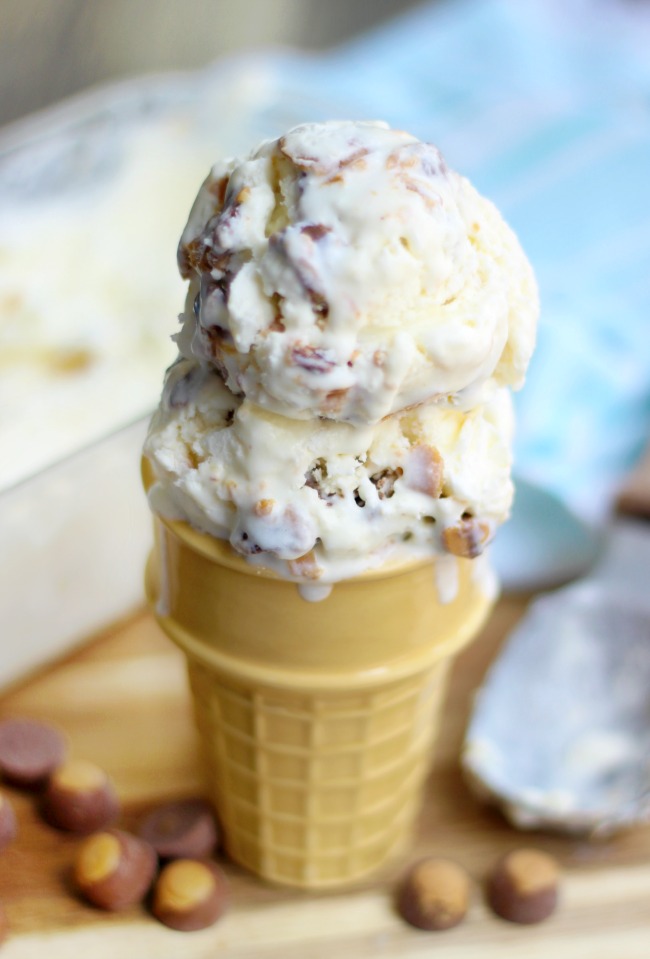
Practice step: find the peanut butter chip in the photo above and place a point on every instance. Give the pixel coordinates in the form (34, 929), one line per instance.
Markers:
(305, 566)
(523, 886)
(441, 883)
(532, 871)
(98, 858)
(467, 538)
(424, 470)
(80, 776)
(183, 885)
(434, 895)
(29, 750)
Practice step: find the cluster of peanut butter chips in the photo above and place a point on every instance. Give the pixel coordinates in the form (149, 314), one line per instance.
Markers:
(357, 315)
(166, 861)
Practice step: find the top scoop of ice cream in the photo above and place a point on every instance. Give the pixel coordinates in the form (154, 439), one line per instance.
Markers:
(344, 271)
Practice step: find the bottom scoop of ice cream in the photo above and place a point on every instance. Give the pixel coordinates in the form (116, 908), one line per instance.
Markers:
(322, 500)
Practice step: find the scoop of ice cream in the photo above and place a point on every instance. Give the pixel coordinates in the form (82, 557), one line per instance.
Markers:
(326, 500)
(344, 271)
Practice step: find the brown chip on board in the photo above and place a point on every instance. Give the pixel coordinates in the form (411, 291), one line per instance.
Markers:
(434, 895)
(114, 870)
(30, 751)
(80, 798)
(523, 886)
(190, 895)
(181, 829)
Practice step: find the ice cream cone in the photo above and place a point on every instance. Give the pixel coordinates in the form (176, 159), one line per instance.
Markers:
(356, 315)
(317, 718)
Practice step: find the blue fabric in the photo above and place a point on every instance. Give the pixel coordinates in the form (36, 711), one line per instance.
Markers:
(545, 105)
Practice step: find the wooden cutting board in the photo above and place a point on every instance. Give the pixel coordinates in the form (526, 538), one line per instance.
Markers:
(122, 699)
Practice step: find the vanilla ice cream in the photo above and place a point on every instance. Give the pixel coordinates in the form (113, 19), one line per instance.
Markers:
(344, 271)
(356, 317)
(88, 287)
(326, 500)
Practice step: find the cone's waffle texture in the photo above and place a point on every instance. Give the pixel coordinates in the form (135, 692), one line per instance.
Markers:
(316, 789)
(317, 718)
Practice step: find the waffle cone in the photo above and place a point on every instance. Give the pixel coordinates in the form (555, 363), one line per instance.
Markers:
(317, 718)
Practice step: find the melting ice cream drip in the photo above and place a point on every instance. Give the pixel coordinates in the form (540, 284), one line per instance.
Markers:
(446, 578)
(314, 592)
(484, 575)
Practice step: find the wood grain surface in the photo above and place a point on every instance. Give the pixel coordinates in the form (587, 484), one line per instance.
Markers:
(122, 700)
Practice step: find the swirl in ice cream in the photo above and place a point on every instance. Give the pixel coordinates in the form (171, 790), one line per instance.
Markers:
(344, 271)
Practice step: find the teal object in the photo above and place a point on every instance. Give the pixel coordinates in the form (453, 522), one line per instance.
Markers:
(543, 544)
